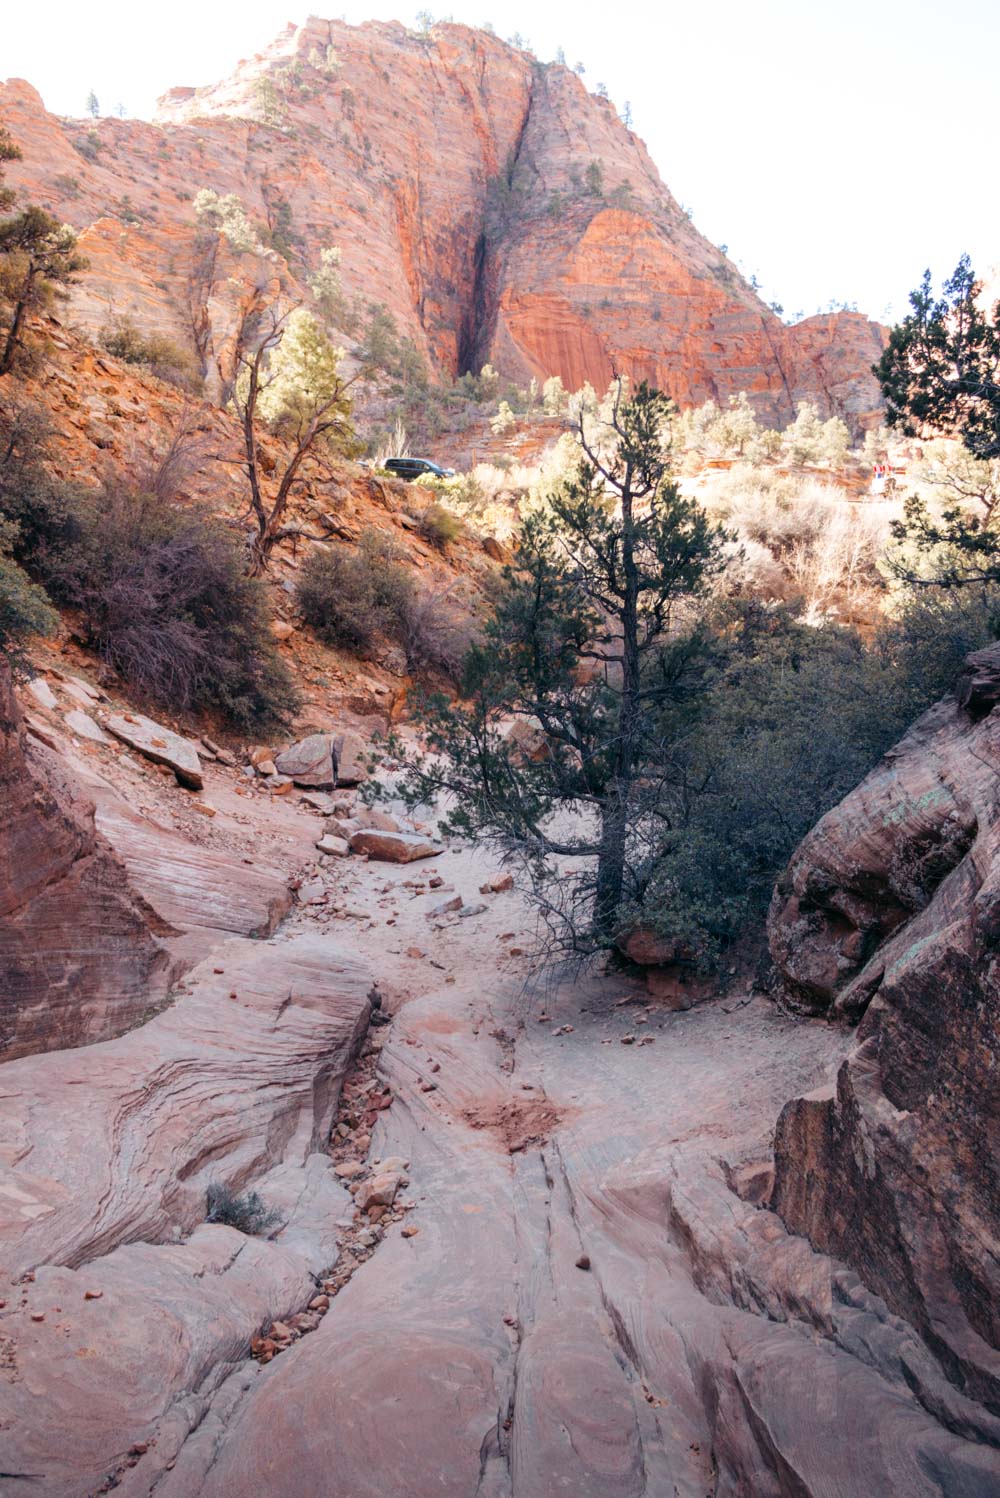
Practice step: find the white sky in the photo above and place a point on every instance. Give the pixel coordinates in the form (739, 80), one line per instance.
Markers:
(836, 146)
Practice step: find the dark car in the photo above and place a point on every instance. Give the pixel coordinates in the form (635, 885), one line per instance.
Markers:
(412, 468)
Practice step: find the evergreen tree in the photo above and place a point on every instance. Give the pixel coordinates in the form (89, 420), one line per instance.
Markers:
(940, 374)
(38, 259)
(584, 644)
(93, 107)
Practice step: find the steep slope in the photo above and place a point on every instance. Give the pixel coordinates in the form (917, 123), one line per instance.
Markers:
(494, 207)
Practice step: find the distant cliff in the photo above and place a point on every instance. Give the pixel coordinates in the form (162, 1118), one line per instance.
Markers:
(498, 210)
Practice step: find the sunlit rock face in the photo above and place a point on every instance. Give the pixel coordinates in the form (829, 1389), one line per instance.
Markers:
(494, 207)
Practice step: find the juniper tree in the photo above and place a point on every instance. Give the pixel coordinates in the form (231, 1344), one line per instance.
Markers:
(38, 259)
(940, 376)
(584, 644)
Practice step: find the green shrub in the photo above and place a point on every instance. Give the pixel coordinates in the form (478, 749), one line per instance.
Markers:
(25, 610)
(159, 589)
(439, 527)
(155, 351)
(247, 1214)
(787, 720)
(349, 598)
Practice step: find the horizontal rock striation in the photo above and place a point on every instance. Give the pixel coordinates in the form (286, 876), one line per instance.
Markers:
(80, 958)
(122, 1310)
(891, 908)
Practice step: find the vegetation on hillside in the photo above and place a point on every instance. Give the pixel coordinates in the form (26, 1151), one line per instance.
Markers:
(690, 717)
(156, 588)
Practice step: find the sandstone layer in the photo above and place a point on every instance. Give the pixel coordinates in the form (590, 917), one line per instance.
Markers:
(890, 908)
(123, 1309)
(80, 958)
(492, 205)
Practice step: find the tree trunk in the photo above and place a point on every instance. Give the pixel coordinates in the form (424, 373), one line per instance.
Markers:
(14, 332)
(611, 860)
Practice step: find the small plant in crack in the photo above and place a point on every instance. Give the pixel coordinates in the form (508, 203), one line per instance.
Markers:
(247, 1214)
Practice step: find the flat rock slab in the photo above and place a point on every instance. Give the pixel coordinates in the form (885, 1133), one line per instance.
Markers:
(160, 745)
(312, 762)
(42, 693)
(83, 725)
(393, 847)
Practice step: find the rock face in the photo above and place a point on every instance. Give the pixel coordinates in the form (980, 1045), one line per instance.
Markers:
(135, 1310)
(891, 907)
(79, 957)
(497, 209)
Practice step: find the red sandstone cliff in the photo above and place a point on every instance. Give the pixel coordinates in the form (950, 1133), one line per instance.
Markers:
(452, 171)
(78, 955)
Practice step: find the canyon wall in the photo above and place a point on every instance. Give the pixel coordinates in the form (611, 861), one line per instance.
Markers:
(78, 954)
(498, 210)
(891, 909)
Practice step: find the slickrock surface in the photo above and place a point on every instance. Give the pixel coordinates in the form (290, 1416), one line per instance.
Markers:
(578, 1300)
(240, 1071)
(194, 889)
(892, 902)
(497, 209)
(699, 1350)
(131, 1312)
(79, 960)
(575, 1291)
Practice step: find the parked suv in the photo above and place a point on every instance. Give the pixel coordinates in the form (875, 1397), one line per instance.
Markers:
(412, 468)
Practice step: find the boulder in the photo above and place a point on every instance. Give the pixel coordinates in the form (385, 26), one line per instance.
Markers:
(312, 762)
(646, 947)
(334, 847)
(368, 816)
(393, 847)
(352, 755)
(380, 1191)
(160, 745)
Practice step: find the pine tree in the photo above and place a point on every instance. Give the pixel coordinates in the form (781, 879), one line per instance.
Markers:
(93, 107)
(582, 644)
(941, 371)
